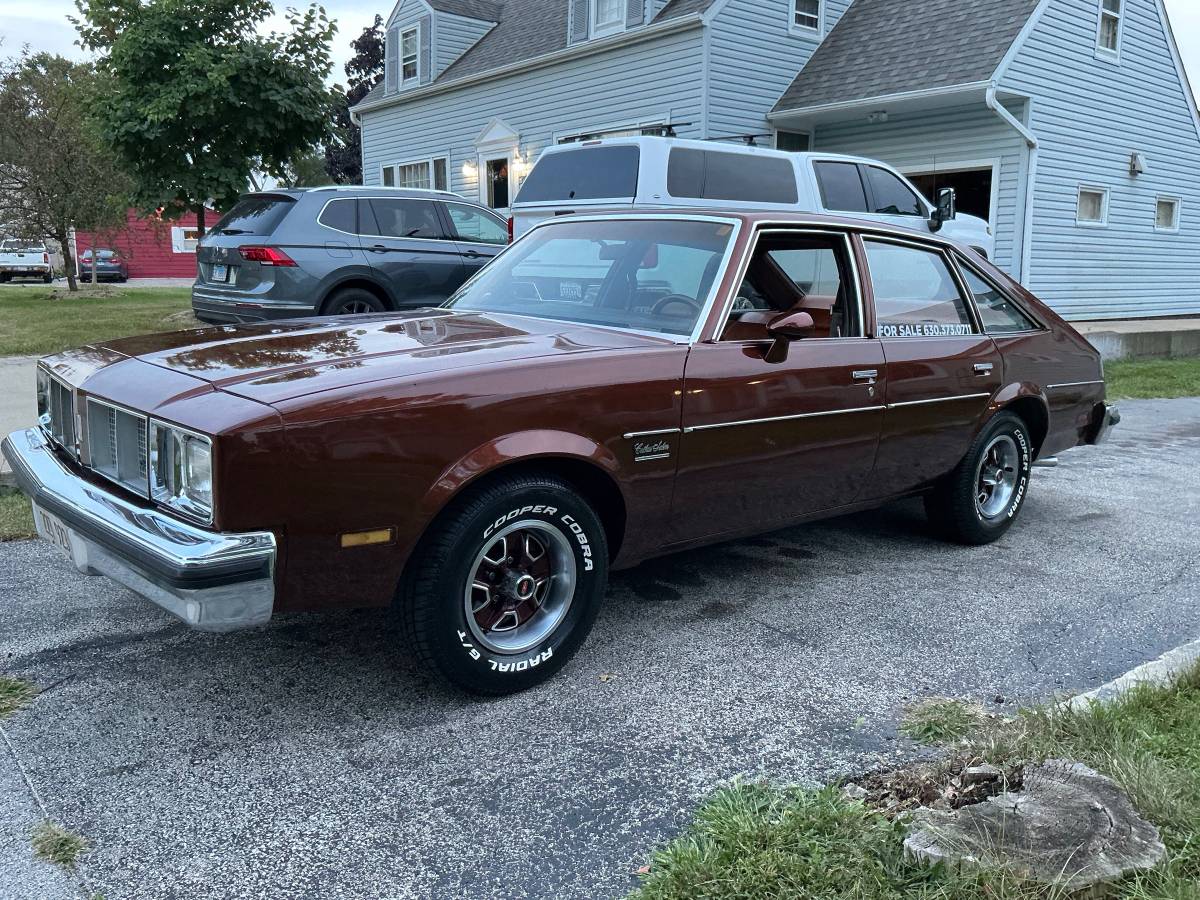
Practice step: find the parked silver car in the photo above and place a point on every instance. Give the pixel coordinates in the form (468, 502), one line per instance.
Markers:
(340, 251)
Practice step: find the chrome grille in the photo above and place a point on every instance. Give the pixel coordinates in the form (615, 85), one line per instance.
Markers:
(57, 415)
(117, 445)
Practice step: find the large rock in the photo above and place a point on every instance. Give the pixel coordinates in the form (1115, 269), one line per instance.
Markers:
(1068, 826)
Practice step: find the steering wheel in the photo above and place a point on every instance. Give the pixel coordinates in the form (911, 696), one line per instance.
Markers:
(666, 301)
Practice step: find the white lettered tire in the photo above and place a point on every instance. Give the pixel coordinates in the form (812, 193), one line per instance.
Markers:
(504, 588)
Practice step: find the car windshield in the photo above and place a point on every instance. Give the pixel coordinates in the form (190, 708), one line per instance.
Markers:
(647, 274)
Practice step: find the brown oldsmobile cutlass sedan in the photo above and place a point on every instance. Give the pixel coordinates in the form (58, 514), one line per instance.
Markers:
(611, 388)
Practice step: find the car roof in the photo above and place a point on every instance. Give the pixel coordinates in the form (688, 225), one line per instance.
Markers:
(692, 143)
(753, 217)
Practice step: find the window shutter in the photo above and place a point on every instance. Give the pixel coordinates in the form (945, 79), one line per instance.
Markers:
(426, 59)
(578, 20)
(392, 61)
(635, 12)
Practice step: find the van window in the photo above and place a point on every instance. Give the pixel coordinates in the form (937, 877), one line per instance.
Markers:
(713, 175)
(255, 214)
(841, 187)
(589, 173)
(892, 196)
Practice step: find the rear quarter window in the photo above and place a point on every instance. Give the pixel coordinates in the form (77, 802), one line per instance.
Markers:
(713, 175)
(589, 173)
(255, 215)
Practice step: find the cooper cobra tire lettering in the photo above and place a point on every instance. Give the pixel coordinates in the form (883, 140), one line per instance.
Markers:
(581, 536)
(536, 510)
(1023, 485)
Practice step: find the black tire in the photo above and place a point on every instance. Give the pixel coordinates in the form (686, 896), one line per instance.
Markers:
(352, 301)
(956, 507)
(4, 278)
(433, 602)
(47, 279)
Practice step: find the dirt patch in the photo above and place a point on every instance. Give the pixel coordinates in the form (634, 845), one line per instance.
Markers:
(947, 783)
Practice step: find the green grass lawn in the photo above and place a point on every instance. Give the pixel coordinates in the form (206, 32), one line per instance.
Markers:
(35, 321)
(1147, 378)
(756, 841)
(16, 515)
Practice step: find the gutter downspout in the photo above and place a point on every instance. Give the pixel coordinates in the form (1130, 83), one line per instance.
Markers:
(1031, 142)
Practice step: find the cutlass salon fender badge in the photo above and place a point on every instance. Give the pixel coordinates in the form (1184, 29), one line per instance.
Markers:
(645, 450)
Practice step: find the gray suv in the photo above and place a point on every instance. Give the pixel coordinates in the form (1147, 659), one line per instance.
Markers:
(338, 251)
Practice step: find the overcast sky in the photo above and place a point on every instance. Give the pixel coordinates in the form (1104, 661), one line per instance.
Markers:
(44, 26)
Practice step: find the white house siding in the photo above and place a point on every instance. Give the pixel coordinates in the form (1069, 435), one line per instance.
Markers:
(660, 79)
(452, 37)
(1089, 115)
(944, 141)
(753, 57)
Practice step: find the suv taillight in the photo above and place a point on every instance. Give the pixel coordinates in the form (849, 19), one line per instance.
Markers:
(46, 256)
(510, 229)
(266, 256)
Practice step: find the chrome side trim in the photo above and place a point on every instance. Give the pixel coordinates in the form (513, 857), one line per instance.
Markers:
(1051, 387)
(655, 456)
(814, 415)
(630, 435)
(937, 400)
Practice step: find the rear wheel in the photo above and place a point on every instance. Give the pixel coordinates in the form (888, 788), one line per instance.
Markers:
(352, 302)
(47, 278)
(505, 588)
(979, 501)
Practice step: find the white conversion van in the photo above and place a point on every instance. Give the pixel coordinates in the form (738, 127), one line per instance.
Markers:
(656, 172)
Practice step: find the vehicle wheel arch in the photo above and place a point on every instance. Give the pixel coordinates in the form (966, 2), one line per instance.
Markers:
(361, 282)
(587, 466)
(1029, 402)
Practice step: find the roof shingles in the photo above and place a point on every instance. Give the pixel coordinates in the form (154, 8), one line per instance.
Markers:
(885, 47)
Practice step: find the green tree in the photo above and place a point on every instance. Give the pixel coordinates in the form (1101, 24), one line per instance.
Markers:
(55, 172)
(343, 153)
(201, 99)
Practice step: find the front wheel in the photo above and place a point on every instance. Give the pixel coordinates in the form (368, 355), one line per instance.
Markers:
(505, 588)
(979, 501)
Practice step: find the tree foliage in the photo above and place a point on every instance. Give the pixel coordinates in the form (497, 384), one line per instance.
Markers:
(55, 171)
(200, 98)
(343, 154)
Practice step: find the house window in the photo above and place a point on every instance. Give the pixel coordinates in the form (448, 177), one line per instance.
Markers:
(1092, 208)
(422, 174)
(409, 53)
(1166, 215)
(807, 15)
(793, 141)
(1108, 39)
(608, 17)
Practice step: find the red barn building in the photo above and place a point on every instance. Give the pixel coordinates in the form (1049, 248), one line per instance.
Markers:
(153, 247)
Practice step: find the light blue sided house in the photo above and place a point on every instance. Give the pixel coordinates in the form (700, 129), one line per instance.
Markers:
(1068, 124)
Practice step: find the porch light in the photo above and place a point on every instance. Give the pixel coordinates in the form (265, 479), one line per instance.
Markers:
(470, 170)
(1137, 164)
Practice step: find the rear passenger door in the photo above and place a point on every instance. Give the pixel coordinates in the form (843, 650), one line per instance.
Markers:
(942, 370)
(480, 235)
(407, 243)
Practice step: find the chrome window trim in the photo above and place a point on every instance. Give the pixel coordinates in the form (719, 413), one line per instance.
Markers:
(947, 257)
(961, 263)
(749, 255)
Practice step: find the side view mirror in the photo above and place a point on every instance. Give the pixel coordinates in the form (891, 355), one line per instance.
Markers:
(785, 329)
(947, 208)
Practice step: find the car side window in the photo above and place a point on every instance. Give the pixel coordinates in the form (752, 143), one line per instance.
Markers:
(841, 187)
(892, 197)
(997, 312)
(915, 292)
(796, 273)
(403, 219)
(476, 226)
(339, 215)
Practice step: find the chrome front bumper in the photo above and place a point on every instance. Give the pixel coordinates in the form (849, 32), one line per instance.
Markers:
(212, 581)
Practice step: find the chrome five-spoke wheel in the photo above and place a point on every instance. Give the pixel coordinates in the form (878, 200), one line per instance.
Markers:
(520, 587)
(996, 478)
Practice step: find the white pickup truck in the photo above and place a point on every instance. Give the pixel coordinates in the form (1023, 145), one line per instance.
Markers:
(24, 259)
(656, 172)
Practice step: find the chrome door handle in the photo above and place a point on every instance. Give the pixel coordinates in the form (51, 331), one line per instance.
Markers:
(984, 368)
(867, 375)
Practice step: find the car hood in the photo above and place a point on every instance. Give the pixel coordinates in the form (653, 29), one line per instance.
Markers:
(275, 362)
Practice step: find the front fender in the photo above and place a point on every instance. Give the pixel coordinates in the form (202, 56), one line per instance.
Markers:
(512, 448)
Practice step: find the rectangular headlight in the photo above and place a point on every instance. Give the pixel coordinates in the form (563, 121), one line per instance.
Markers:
(181, 473)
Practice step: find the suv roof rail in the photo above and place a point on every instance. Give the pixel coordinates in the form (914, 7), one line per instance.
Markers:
(365, 187)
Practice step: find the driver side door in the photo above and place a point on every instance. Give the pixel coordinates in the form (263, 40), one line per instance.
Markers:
(765, 443)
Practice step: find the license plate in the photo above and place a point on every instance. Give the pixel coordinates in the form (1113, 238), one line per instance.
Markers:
(220, 273)
(53, 530)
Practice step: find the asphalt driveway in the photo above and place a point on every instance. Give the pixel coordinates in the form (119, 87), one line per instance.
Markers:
(310, 758)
